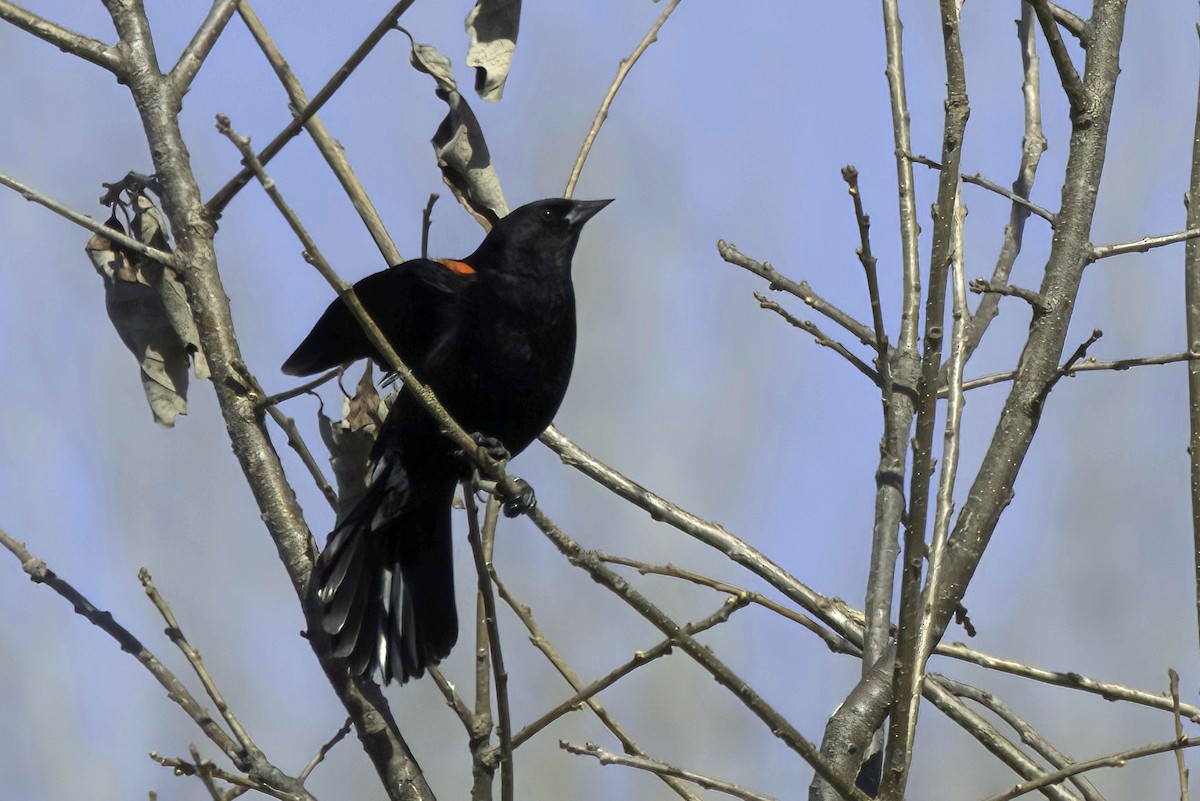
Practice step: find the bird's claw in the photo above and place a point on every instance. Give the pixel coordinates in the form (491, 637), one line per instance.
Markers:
(523, 502)
(493, 447)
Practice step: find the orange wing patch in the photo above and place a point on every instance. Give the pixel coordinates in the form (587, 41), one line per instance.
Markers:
(460, 267)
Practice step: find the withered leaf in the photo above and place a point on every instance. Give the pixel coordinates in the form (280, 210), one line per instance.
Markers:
(459, 144)
(148, 308)
(493, 26)
(350, 440)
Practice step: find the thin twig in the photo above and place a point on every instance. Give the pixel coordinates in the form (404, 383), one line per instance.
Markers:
(176, 635)
(992, 186)
(453, 699)
(1117, 760)
(836, 644)
(85, 47)
(662, 769)
(868, 260)
(1071, 82)
(1142, 245)
(39, 573)
(829, 612)
(944, 507)
(1180, 763)
(220, 200)
(640, 658)
(1033, 144)
(205, 38)
(483, 567)
(540, 641)
(1069, 364)
(1072, 23)
(1090, 365)
(982, 286)
(84, 221)
(330, 149)
(426, 223)
(303, 389)
(325, 749)
(1068, 679)
(917, 625)
(820, 337)
(991, 737)
(1191, 301)
(1028, 734)
(777, 281)
(602, 114)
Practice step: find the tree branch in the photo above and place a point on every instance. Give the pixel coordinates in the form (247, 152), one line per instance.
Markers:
(663, 769)
(622, 71)
(68, 41)
(330, 149)
(205, 38)
(777, 281)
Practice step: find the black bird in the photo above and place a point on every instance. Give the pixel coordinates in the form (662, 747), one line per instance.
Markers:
(493, 335)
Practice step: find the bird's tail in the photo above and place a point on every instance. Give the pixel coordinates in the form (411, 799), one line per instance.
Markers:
(386, 579)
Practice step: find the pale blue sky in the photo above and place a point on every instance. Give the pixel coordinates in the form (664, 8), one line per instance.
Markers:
(734, 125)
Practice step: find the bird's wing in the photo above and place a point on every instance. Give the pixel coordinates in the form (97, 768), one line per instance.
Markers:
(416, 306)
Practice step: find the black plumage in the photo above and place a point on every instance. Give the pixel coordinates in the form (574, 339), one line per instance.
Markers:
(493, 335)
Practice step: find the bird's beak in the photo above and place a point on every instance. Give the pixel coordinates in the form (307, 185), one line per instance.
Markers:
(584, 210)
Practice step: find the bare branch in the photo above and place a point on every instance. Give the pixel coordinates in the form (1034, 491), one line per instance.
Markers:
(325, 749)
(1069, 679)
(1191, 300)
(84, 221)
(662, 769)
(68, 41)
(426, 223)
(820, 337)
(1071, 82)
(1117, 760)
(836, 644)
(641, 658)
(484, 571)
(917, 628)
(1090, 365)
(977, 179)
(539, 640)
(830, 612)
(990, 737)
(802, 290)
(868, 260)
(1072, 23)
(1144, 244)
(1028, 734)
(982, 286)
(1180, 762)
(331, 149)
(217, 203)
(623, 70)
(1033, 144)
(205, 38)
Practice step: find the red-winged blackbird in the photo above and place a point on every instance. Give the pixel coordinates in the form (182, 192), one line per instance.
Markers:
(493, 335)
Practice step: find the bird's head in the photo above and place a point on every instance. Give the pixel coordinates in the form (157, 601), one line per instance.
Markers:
(539, 237)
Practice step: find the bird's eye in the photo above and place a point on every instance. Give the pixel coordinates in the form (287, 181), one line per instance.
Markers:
(548, 214)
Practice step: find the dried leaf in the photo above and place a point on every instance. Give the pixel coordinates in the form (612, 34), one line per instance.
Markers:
(459, 144)
(148, 308)
(148, 227)
(350, 440)
(493, 26)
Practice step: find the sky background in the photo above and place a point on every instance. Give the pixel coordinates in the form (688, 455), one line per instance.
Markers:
(734, 125)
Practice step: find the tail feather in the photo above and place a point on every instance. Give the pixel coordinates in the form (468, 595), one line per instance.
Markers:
(386, 580)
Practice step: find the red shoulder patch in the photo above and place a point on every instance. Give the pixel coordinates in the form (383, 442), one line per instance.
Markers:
(460, 267)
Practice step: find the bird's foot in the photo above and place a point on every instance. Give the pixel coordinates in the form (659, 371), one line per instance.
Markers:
(522, 503)
(493, 447)
(515, 505)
